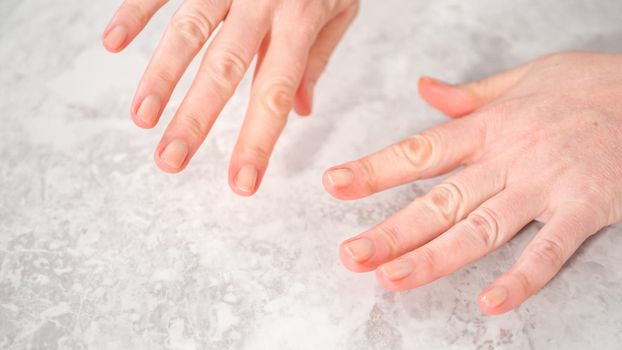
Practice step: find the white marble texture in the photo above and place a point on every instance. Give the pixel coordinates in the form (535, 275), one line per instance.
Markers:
(101, 250)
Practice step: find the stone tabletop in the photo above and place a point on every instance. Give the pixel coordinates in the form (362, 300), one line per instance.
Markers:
(101, 250)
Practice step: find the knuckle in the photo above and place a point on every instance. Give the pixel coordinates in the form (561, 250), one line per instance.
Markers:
(427, 260)
(370, 175)
(194, 125)
(483, 225)
(256, 152)
(524, 282)
(307, 32)
(448, 200)
(279, 98)
(320, 59)
(166, 77)
(547, 251)
(390, 235)
(227, 69)
(135, 11)
(194, 28)
(416, 151)
(309, 16)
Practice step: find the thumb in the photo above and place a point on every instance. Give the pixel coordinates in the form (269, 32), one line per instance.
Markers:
(461, 99)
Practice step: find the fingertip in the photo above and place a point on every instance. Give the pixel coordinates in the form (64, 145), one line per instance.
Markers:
(447, 98)
(172, 156)
(302, 109)
(329, 184)
(147, 112)
(340, 182)
(245, 178)
(142, 123)
(386, 283)
(494, 300)
(115, 38)
(241, 193)
(350, 262)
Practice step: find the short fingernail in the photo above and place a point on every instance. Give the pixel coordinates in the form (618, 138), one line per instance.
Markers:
(340, 177)
(116, 37)
(246, 179)
(149, 109)
(436, 82)
(175, 153)
(495, 297)
(360, 250)
(397, 269)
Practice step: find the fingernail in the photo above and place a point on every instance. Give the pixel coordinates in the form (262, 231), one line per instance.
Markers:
(433, 81)
(149, 109)
(175, 153)
(116, 37)
(360, 250)
(397, 269)
(246, 179)
(340, 177)
(495, 297)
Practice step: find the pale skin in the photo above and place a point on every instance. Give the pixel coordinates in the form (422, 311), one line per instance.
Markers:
(292, 40)
(539, 142)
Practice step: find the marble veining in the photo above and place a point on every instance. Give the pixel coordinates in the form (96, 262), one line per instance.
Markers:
(100, 250)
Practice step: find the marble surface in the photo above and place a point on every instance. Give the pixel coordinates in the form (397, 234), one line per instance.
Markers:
(101, 250)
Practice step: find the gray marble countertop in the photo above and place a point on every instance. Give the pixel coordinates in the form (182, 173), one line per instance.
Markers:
(101, 250)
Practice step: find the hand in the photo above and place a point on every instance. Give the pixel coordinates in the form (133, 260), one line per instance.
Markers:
(542, 142)
(293, 40)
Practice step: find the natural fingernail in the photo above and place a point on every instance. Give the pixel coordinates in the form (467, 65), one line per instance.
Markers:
(340, 177)
(495, 297)
(246, 179)
(175, 153)
(116, 37)
(433, 81)
(397, 269)
(360, 250)
(149, 109)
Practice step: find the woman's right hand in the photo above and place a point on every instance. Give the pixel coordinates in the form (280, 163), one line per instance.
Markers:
(293, 40)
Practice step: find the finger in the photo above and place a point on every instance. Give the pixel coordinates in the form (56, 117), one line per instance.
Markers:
(424, 219)
(128, 21)
(462, 99)
(220, 72)
(320, 52)
(482, 231)
(272, 99)
(541, 260)
(188, 31)
(431, 153)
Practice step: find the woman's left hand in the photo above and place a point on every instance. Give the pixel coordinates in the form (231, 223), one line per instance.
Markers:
(540, 142)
